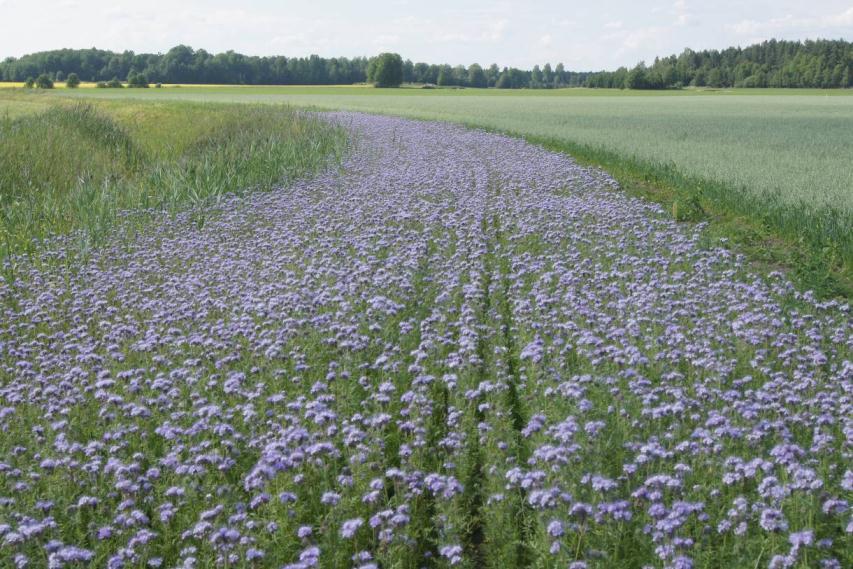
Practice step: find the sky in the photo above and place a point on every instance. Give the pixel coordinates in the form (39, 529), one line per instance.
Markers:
(583, 35)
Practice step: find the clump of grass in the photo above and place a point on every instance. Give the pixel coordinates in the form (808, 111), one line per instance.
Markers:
(74, 167)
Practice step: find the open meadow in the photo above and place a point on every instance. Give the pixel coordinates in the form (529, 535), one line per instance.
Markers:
(325, 340)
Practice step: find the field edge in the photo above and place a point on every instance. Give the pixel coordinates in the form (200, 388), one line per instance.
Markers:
(819, 268)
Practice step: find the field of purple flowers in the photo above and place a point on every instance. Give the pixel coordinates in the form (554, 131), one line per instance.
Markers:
(457, 350)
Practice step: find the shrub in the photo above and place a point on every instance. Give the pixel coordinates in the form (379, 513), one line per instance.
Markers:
(29, 83)
(73, 81)
(101, 85)
(137, 80)
(44, 82)
(114, 83)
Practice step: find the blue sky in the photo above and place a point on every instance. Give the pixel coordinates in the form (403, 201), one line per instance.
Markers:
(583, 35)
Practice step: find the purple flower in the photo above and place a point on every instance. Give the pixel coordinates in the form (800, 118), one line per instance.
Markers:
(330, 498)
(555, 528)
(349, 527)
(802, 538)
(453, 553)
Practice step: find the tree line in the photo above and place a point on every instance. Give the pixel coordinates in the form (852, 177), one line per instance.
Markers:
(182, 64)
(820, 63)
(817, 64)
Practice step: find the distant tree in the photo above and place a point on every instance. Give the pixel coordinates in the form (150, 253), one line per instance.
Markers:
(715, 78)
(548, 75)
(559, 75)
(504, 81)
(73, 81)
(518, 78)
(29, 83)
(408, 71)
(699, 78)
(422, 73)
(114, 83)
(476, 76)
(445, 76)
(492, 74)
(460, 75)
(637, 78)
(371, 70)
(43, 81)
(60, 76)
(536, 77)
(388, 70)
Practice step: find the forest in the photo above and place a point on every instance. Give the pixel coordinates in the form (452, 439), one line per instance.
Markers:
(819, 64)
(816, 64)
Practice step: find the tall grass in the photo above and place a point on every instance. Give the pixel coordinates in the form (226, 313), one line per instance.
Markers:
(74, 167)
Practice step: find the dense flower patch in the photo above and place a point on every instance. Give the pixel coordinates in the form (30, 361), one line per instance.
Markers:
(460, 350)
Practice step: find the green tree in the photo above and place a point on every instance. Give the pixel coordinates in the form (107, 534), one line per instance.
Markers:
(422, 73)
(637, 78)
(559, 75)
(29, 83)
(73, 81)
(536, 77)
(715, 78)
(492, 74)
(548, 75)
(388, 70)
(43, 81)
(445, 76)
(504, 81)
(460, 75)
(476, 76)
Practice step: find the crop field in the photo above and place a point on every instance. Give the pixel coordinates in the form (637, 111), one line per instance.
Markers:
(448, 348)
(777, 158)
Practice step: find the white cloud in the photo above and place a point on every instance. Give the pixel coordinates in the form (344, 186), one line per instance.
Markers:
(386, 41)
(484, 32)
(497, 29)
(790, 22)
(642, 37)
(682, 13)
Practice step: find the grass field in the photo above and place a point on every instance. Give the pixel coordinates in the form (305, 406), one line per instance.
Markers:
(73, 165)
(769, 168)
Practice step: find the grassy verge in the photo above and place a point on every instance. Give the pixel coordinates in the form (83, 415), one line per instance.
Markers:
(814, 247)
(73, 167)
